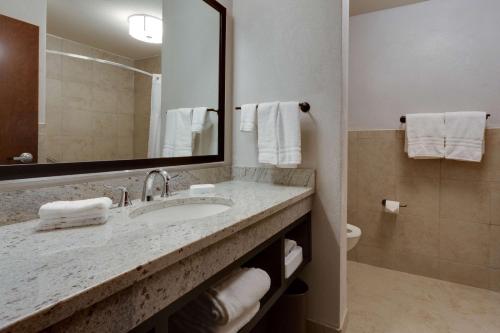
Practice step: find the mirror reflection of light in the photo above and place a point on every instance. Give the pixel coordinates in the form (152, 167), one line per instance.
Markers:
(146, 28)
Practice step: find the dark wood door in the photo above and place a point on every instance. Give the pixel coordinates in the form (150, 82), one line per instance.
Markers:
(18, 89)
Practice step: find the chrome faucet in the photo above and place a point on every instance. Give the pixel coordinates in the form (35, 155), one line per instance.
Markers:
(147, 190)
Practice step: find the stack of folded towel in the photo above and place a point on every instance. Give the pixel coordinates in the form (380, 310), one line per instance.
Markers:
(67, 214)
(227, 306)
(293, 257)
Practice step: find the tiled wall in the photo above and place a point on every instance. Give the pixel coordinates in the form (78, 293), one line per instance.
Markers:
(143, 104)
(90, 106)
(451, 227)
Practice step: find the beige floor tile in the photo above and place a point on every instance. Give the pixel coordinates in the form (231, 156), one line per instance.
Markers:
(387, 301)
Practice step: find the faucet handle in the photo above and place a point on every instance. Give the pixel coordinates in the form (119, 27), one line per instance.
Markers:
(125, 200)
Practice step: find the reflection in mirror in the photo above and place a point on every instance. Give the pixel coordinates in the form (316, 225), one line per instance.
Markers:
(104, 83)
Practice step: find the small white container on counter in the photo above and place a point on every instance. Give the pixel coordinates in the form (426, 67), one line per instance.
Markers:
(202, 189)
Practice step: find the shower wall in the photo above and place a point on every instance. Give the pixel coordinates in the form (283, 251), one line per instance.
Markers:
(142, 84)
(91, 107)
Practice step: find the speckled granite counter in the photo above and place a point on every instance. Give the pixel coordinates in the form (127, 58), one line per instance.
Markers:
(48, 277)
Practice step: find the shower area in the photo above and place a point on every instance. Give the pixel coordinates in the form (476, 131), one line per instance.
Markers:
(98, 103)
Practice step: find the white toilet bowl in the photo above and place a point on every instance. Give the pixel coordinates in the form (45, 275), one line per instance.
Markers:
(353, 236)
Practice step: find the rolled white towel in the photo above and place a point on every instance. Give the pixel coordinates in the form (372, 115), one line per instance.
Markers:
(66, 222)
(290, 244)
(75, 209)
(238, 323)
(238, 293)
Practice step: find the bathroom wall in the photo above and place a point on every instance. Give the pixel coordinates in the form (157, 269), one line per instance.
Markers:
(142, 100)
(90, 106)
(451, 227)
(434, 56)
(292, 50)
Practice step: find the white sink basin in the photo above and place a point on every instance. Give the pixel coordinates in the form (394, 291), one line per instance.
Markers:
(181, 209)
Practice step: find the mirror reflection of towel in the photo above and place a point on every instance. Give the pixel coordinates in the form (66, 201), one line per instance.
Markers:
(178, 139)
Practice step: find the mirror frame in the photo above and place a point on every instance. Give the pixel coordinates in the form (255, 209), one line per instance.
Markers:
(22, 171)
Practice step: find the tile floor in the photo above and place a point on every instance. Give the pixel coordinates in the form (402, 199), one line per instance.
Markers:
(386, 301)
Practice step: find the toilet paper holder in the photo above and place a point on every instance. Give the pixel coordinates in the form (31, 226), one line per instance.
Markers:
(402, 205)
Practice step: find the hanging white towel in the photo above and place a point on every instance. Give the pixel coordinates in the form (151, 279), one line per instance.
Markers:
(425, 135)
(199, 118)
(154, 142)
(465, 135)
(289, 142)
(178, 139)
(248, 116)
(267, 136)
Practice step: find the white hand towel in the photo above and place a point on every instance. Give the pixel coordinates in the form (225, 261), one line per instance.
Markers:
(465, 135)
(178, 135)
(237, 324)
(66, 222)
(425, 135)
(199, 118)
(248, 116)
(267, 136)
(289, 246)
(289, 144)
(238, 293)
(75, 209)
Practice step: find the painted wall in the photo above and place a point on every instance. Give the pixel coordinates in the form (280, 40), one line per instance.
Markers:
(434, 56)
(34, 12)
(292, 50)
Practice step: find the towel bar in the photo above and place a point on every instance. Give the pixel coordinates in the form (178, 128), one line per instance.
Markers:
(402, 119)
(304, 107)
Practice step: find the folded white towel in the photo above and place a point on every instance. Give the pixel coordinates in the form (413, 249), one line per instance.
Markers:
(293, 261)
(267, 136)
(238, 293)
(289, 143)
(178, 139)
(248, 116)
(465, 135)
(425, 135)
(75, 209)
(199, 118)
(194, 319)
(66, 222)
(290, 244)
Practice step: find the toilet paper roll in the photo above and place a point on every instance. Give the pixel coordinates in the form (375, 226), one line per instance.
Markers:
(392, 207)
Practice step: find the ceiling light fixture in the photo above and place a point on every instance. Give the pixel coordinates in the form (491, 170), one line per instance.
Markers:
(146, 28)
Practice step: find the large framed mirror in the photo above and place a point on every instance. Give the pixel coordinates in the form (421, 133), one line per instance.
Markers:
(128, 84)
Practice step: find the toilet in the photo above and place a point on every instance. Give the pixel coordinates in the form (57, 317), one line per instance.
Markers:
(353, 236)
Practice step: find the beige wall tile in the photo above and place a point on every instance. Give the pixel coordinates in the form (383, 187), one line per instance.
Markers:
(54, 66)
(495, 203)
(417, 235)
(104, 124)
(352, 180)
(465, 201)
(494, 251)
(125, 125)
(476, 276)
(376, 168)
(464, 242)
(378, 229)
(495, 279)
(76, 95)
(408, 167)
(375, 256)
(76, 122)
(421, 195)
(77, 148)
(104, 148)
(54, 93)
(415, 263)
(104, 99)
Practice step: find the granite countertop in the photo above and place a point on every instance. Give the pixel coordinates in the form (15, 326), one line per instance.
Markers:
(43, 273)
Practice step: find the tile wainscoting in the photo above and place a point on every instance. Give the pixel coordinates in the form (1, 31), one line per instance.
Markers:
(451, 227)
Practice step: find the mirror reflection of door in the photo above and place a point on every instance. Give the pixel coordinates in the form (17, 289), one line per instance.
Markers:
(18, 91)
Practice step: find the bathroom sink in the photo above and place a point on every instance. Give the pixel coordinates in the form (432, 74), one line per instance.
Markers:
(181, 209)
